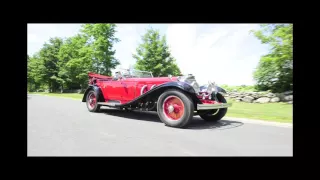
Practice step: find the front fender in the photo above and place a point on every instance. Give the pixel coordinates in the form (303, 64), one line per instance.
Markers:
(221, 90)
(155, 92)
(96, 89)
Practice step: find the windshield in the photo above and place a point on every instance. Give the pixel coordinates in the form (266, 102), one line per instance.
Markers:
(133, 73)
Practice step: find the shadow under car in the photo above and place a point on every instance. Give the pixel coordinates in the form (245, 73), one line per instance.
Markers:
(196, 124)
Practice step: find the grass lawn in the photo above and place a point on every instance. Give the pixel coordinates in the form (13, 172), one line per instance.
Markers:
(68, 95)
(278, 112)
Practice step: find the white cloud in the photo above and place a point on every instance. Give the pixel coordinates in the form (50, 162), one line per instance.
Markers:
(224, 53)
(129, 35)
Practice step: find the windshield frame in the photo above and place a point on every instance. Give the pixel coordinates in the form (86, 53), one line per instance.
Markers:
(133, 73)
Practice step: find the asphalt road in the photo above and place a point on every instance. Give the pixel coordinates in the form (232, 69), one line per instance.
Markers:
(64, 127)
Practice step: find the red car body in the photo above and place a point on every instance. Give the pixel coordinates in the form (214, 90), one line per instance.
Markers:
(177, 97)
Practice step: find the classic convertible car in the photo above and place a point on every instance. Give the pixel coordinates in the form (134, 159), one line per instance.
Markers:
(175, 99)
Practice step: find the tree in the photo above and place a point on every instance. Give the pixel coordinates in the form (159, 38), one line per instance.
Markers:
(153, 55)
(274, 71)
(101, 38)
(36, 72)
(49, 58)
(65, 64)
(75, 61)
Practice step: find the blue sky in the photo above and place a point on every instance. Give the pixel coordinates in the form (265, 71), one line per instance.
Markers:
(224, 53)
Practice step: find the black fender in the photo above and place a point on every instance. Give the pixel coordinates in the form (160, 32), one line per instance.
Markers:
(221, 90)
(97, 90)
(155, 92)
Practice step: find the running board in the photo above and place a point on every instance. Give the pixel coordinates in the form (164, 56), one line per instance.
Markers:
(113, 104)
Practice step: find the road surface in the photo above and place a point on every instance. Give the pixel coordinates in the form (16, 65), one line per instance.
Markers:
(64, 127)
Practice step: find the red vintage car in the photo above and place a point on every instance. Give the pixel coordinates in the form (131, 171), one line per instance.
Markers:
(175, 99)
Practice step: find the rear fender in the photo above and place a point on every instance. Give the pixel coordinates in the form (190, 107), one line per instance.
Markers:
(97, 90)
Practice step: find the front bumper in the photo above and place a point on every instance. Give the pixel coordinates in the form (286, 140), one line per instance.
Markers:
(213, 106)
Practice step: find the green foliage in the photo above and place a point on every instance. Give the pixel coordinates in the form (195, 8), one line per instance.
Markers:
(274, 71)
(42, 66)
(153, 55)
(103, 38)
(36, 72)
(63, 64)
(48, 57)
(75, 61)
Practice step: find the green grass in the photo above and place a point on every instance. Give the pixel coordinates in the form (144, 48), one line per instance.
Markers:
(277, 112)
(67, 95)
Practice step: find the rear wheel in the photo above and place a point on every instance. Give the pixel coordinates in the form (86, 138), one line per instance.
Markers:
(215, 114)
(92, 101)
(175, 109)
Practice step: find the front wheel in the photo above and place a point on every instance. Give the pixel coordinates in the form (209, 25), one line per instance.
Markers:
(215, 114)
(92, 101)
(175, 109)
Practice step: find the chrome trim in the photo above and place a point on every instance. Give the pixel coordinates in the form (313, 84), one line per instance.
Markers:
(213, 106)
(108, 103)
(216, 112)
(142, 89)
(153, 86)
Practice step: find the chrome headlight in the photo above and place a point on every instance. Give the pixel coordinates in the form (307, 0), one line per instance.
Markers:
(190, 79)
(195, 86)
(211, 87)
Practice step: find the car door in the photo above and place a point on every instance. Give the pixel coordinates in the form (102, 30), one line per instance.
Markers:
(119, 90)
(128, 90)
(113, 90)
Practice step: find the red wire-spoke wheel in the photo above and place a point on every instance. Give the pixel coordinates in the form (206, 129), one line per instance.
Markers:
(175, 108)
(92, 99)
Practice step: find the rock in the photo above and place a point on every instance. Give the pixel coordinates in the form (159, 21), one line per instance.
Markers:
(248, 99)
(288, 98)
(275, 99)
(263, 100)
(290, 102)
(280, 96)
(288, 93)
(237, 100)
(270, 95)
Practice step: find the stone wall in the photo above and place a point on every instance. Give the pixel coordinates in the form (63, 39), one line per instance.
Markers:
(261, 97)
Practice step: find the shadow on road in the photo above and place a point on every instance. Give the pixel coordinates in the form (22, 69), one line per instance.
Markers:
(196, 124)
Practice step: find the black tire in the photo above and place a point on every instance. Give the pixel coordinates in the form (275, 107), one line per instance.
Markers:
(95, 107)
(184, 117)
(215, 114)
